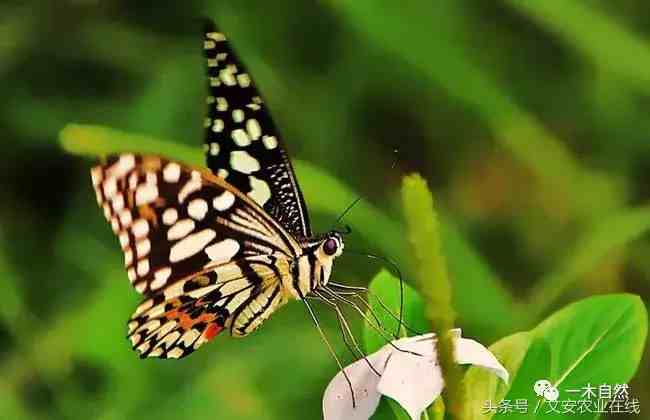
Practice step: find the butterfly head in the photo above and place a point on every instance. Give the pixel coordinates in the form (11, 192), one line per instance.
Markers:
(332, 245)
(313, 268)
(329, 247)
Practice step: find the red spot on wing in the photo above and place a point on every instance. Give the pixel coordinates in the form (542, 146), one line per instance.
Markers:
(211, 331)
(186, 321)
(213, 322)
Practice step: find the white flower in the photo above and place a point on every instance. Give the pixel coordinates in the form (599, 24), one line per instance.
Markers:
(413, 380)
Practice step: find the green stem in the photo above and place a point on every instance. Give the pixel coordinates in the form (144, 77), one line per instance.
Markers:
(433, 281)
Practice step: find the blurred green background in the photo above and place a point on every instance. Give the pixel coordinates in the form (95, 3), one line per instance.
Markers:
(530, 120)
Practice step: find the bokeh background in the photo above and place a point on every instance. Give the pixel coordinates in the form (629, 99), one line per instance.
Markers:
(529, 119)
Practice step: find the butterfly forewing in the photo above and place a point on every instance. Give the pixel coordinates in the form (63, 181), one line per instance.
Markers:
(242, 143)
(197, 248)
(173, 221)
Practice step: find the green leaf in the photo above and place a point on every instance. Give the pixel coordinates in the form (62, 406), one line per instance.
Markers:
(536, 365)
(482, 385)
(390, 409)
(599, 340)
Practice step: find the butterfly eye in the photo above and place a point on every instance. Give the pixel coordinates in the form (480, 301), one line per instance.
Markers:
(331, 246)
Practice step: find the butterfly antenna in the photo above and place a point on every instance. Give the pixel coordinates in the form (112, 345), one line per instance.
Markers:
(347, 209)
(356, 200)
(396, 152)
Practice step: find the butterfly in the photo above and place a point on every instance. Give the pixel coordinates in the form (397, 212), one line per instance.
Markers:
(219, 248)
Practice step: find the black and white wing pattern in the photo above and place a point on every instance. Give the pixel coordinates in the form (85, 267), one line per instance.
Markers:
(242, 143)
(205, 256)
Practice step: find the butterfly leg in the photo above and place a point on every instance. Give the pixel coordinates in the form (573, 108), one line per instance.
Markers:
(346, 331)
(330, 348)
(358, 292)
(379, 328)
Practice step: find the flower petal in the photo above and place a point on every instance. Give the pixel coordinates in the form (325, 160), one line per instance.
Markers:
(414, 381)
(472, 352)
(337, 401)
(413, 377)
(410, 375)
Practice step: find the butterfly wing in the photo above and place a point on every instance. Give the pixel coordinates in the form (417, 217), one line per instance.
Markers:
(174, 328)
(174, 221)
(186, 235)
(174, 322)
(242, 143)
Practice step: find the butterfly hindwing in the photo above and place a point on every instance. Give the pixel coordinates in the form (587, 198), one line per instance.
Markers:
(179, 319)
(242, 143)
(173, 329)
(172, 324)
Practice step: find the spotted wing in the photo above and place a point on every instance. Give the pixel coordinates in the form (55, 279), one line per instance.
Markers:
(242, 143)
(174, 322)
(174, 221)
(199, 250)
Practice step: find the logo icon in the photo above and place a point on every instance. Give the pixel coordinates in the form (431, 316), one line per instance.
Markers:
(544, 388)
